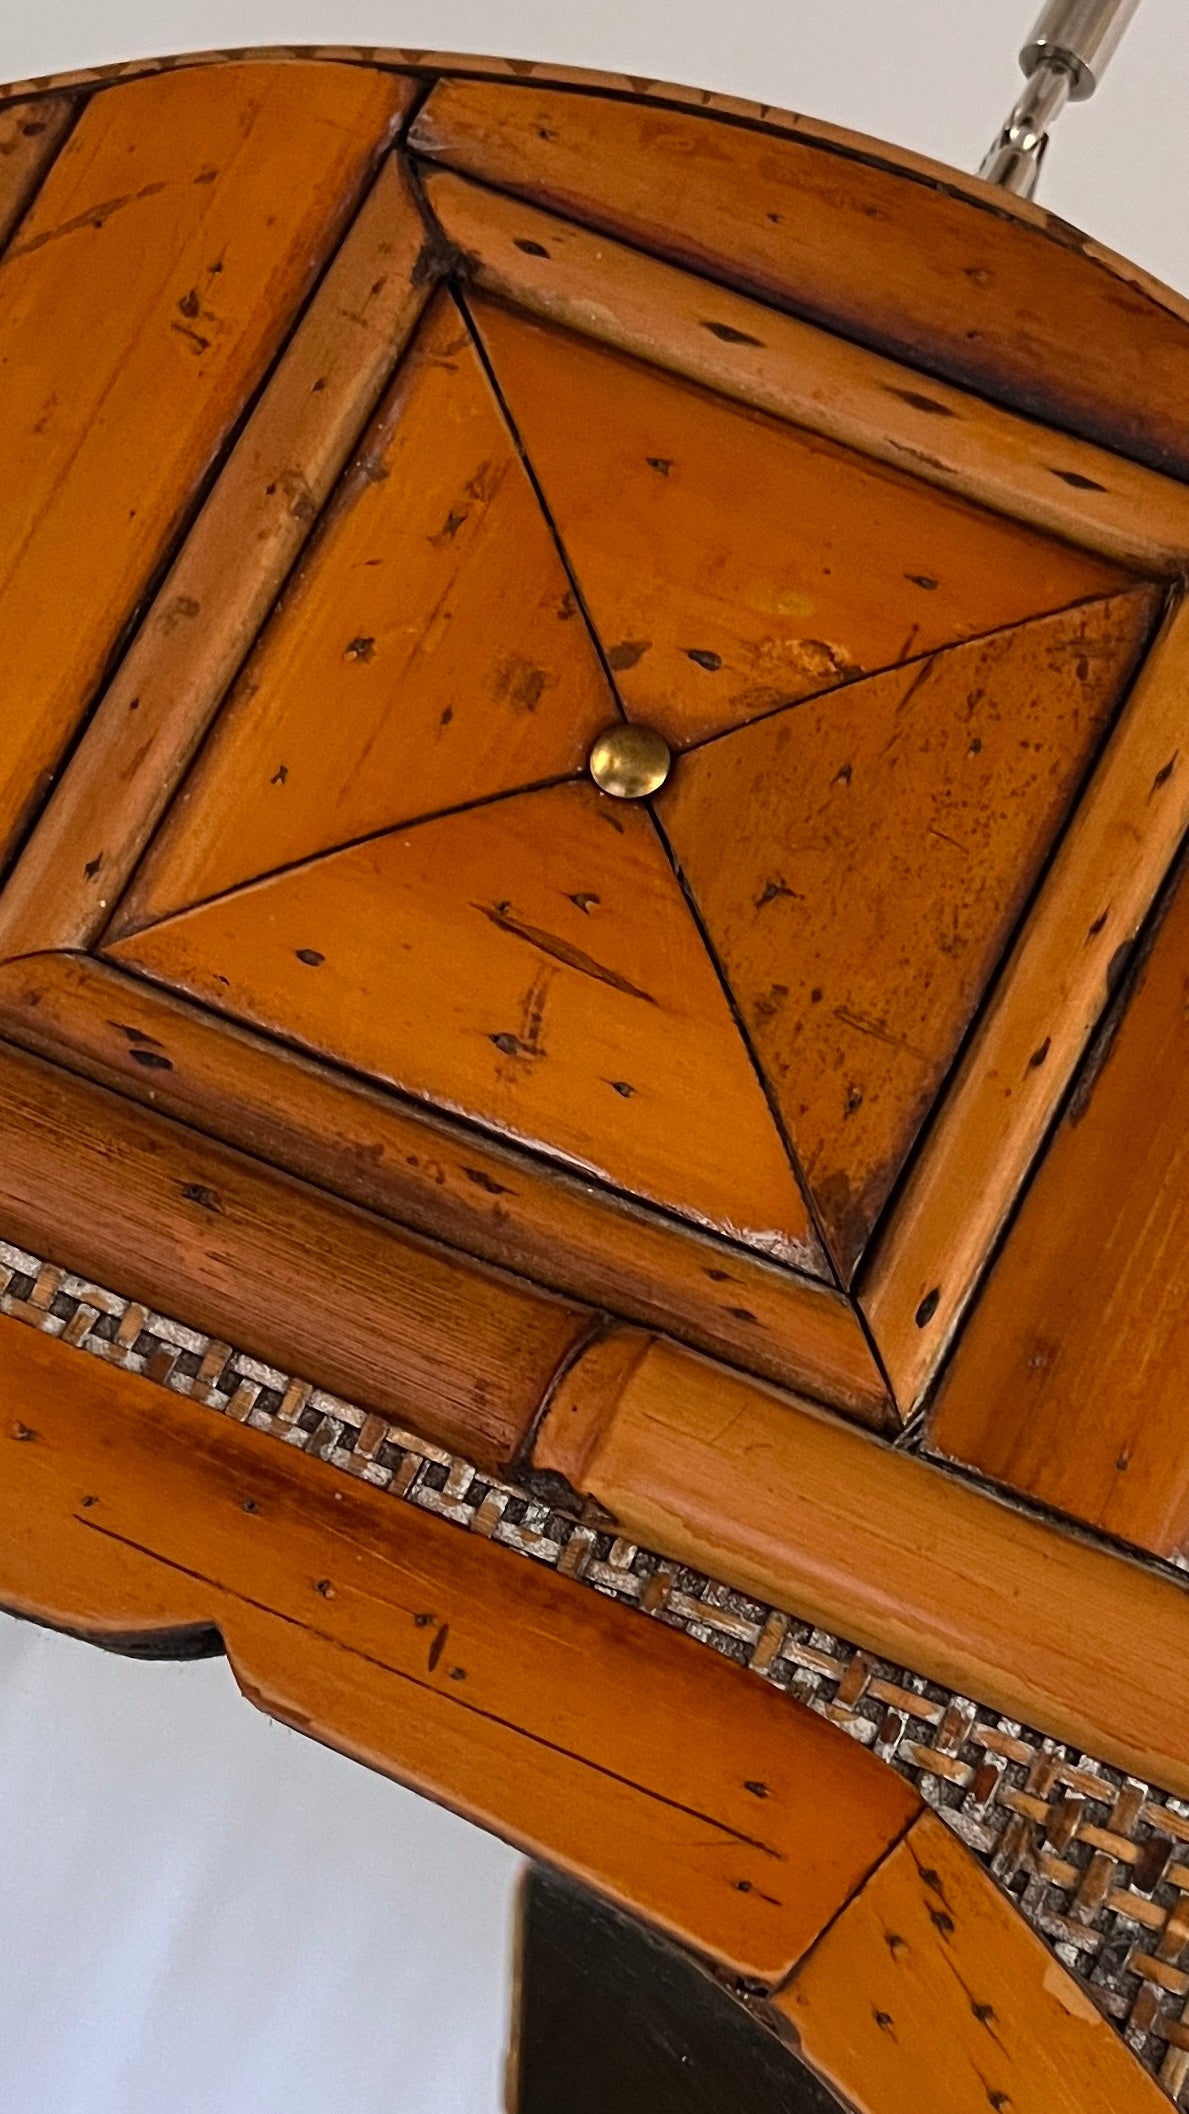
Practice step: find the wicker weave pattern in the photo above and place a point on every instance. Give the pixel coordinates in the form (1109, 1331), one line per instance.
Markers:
(1097, 1862)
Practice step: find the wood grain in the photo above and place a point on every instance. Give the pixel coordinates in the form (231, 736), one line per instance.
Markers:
(506, 1692)
(30, 136)
(173, 239)
(1015, 306)
(930, 1995)
(732, 564)
(1069, 1383)
(860, 863)
(568, 275)
(785, 1502)
(428, 655)
(292, 1276)
(170, 683)
(927, 1258)
(530, 964)
(444, 1180)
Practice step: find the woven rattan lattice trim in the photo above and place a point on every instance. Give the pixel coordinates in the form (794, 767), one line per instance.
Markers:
(1098, 1862)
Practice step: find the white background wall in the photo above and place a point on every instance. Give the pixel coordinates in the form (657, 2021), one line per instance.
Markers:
(200, 1912)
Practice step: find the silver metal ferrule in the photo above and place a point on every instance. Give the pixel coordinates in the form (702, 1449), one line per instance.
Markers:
(1064, 60)
(1082, 35)
(1015, 159)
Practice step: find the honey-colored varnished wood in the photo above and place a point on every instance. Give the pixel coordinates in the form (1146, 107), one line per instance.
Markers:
(30, 136)
(444, 1180)
(161, 699)
(731, 564)
(947, 275)
(289, 1274)
(930, 1995)
(927, 1258)
(860, 862)
(531, 964)
(429, 655)
(1070, 1381)
(786, 1503)
(569, 275)
(174, 238)
(513, 1695)
(597, 712)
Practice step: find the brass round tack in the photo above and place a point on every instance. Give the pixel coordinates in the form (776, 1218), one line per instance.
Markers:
(629, 762)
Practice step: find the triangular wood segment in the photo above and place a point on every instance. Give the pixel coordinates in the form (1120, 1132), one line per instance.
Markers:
(531, 964)
(429, 652)
(860, 862)
(732, 564)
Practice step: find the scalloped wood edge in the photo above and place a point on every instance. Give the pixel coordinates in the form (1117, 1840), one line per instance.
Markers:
(554, 1718)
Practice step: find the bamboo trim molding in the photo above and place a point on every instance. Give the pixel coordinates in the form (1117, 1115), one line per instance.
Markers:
(266, 500)
(770, 117)
(415, 1168)
(748, 350)
(1097, 1860)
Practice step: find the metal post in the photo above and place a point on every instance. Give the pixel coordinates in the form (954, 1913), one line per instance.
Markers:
(1064, 60)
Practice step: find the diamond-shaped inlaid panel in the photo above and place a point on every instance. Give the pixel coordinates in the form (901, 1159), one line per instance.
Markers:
(735, 992)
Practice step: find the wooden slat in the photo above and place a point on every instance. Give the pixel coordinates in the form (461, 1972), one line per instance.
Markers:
(141, 300)
(429, 654)
(309, 1284)
(860, 863)
(30, 136)
(963, 286)
(531, 964)
(927, 1257)
(1070, 1381)
(732, 564)
(514, 1696)
(930, 1995)
(565, 274)
(280, 473)
(785, 1502)
(445, 1181)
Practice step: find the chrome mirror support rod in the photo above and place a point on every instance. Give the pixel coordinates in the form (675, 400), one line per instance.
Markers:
(1063, 60)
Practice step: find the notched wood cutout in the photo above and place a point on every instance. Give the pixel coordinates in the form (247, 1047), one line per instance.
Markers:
(1069, 1382)
(512, 1695)
(930, 1995)
(174, 239)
